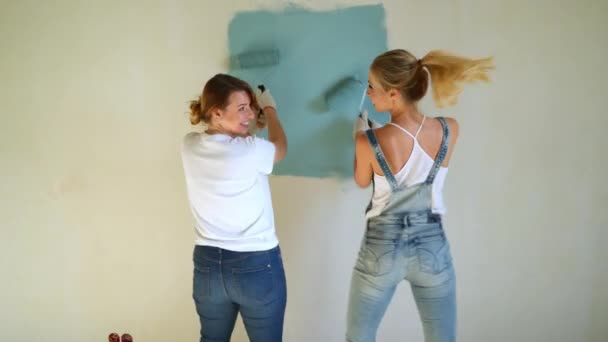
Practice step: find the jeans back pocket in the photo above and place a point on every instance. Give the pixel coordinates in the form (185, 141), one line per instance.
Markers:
(433, 251)
(202, 281)
(377, 256)
(255, 282)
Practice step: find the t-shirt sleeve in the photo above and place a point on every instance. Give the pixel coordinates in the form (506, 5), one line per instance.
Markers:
(264, 155)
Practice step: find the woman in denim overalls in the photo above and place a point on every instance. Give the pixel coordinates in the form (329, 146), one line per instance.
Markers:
(404, 238)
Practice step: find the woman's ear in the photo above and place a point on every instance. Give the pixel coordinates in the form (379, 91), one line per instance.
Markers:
(216, 113)
(392, 93)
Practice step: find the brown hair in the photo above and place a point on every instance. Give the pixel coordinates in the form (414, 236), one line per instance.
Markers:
(215, 95)
(401, 70)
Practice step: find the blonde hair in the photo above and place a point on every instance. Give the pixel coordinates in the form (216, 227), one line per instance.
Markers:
(401, 70)
(215, 95)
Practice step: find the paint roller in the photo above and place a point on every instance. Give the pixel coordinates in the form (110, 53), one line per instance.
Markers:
(340, 95)
(255, 59)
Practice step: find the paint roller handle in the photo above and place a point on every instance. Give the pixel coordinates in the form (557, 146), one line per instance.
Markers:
(363, 123)
(265, 101)
(265, 98)
(276, 134)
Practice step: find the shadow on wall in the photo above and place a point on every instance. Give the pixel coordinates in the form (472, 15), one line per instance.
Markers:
(316, 50)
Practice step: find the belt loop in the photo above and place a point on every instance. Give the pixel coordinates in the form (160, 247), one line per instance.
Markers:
(434, 218)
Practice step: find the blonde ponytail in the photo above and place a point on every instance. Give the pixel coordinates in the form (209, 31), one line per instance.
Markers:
(450, 72)
(399, 69)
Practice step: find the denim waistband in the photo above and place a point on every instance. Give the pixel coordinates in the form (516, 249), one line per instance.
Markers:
(225, 255)
(404, 226)
(406, 219)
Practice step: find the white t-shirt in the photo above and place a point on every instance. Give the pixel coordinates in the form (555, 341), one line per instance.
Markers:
(228, 190)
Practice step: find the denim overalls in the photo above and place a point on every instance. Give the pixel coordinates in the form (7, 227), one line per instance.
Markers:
(405, 241)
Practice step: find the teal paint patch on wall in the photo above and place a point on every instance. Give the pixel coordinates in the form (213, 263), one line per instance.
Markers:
(317, 49)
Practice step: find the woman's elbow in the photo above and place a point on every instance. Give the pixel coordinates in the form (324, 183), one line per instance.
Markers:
(280, 152)
(362, 183)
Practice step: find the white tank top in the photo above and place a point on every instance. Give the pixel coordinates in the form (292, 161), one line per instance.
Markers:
(415, 171)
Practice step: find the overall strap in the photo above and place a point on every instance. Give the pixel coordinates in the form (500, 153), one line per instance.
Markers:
(442, 151)
(381, 160)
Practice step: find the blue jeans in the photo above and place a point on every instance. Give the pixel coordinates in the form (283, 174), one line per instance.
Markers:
(228, 282)
(396, 248)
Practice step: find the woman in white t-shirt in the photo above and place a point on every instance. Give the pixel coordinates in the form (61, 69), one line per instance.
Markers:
(237, 259)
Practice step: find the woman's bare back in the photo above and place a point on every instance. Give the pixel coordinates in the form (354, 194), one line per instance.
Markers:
(397, 145)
